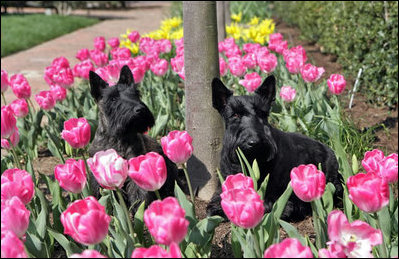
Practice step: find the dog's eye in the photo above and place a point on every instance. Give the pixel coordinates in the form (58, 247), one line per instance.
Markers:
(236, 115)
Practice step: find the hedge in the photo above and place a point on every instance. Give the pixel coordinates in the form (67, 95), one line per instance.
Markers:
(362, 34)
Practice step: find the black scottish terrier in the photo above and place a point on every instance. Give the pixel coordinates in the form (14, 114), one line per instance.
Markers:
(123, 119)
(277, 152)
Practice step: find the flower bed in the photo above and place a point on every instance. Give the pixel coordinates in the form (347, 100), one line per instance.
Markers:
(366, 226)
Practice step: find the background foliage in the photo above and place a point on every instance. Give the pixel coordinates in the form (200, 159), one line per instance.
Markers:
(363, 34)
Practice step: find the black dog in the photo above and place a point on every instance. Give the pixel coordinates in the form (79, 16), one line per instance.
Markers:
(277, 152)
(123, 118)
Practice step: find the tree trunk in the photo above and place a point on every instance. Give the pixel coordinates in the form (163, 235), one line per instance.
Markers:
(227, 16)
(201, 64)
(220, 6)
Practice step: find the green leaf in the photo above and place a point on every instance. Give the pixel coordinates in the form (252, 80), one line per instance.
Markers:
(35, 246)
(120, 214)
(355, 165)
(235, 244)
(249, 167)
(70, 247)
(263, 186)
(327, 198)
(256, 170)
(292, 231)
(249, 247)
(279, 205)
(186, 205)
(139, 222)
(202, 233)
(385, 224)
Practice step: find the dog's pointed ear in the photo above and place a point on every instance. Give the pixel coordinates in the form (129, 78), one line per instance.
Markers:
(268, 89)
(97, 84)
(126, 76)
(220, 94)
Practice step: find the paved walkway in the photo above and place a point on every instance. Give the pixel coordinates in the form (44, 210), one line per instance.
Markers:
(143, 17)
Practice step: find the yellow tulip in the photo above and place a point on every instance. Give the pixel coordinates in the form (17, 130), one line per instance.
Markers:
(236, 17)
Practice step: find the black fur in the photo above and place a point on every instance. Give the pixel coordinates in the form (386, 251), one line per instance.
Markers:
(123, 119)
(277, 152)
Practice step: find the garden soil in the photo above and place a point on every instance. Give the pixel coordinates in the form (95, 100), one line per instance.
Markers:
(362, 113)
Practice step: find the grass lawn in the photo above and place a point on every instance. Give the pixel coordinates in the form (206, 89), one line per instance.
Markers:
(20, 32)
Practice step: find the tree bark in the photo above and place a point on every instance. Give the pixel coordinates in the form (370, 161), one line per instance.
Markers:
(201, 64)
(220, 6)
(227, 16)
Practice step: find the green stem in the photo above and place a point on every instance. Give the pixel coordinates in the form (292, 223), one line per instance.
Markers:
(189, 184)
(383, 250)
(31, 104)
(316, 225)
(158, 195)
(4, 98)
(49, 135)
(257, 247)
(87, 191)
(14, 154)
(123, 204)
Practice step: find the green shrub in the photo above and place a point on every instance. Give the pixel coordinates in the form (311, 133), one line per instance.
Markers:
(362, 34)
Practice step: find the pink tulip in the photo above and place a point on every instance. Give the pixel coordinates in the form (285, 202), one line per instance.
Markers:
(311, 73)
(88, 254)
(177, 64)
(60, 62)
(12, 142)
(160, 67)
(20, 86)
(238, 181)
(354, 240)
(267, 62)
(369, 192)
(121, 53)
(179, 43)
(294, 59)
(223, 67)
(237, 66)
(287, 93)
(336, 83)
(17, 182)
(59, 93)
(134, 36)
(45, 100)
(113, 42)
(389, 168)
(138, 74)
(250, 47)
(4, 81)
(307, 182)
(83, 69)
(275, 37)
(288, 248)
(166, 221)
(233, 51)
(104, 73)
(71, 175)
(251, 81)
(334, 250)
(372, 160)
(148, 46)
(261, 53)
(20, 108)
(11, 246)
(164, 45)
(76, 132)
(99, 43)
(86, 221)
(243, 207)
(177, 145)
(148, 171)
(99, 58)
(8, 121)
(156, 251)
(142, 61)
(278, 46)
(14, 216)
(63, 77)
(109, 169)
(249, 60)
(83, 54)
